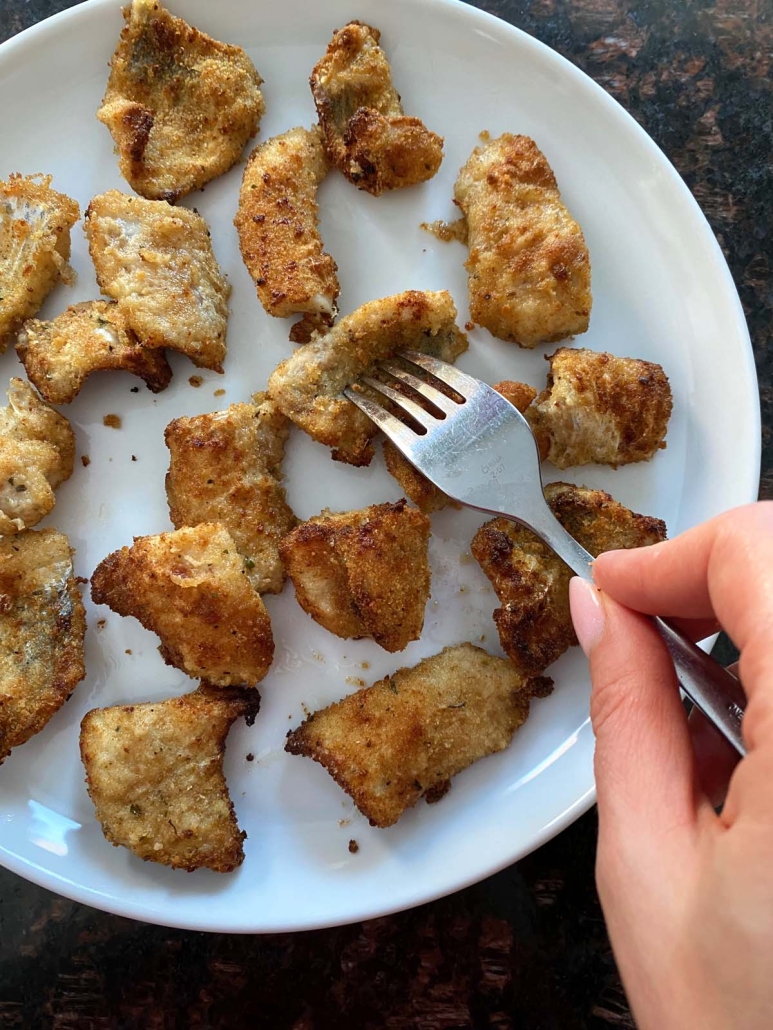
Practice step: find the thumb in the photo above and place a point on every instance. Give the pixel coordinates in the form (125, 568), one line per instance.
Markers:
(645, 768)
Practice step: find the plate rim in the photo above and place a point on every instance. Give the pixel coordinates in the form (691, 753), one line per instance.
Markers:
(475, 18)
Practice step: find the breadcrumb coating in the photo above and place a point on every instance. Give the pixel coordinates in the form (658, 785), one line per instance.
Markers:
(42, 626)
(532, 582)
(157, 262)
(308, 387)
(529, 269)
(278, 226)
(191, 588)
(226, 467)
(35, 224)
(405, 737)
(155, 774)
(367, 136)
(60, 355)
(363, 573)
(37, 453)
(179, 105)
(600, 408)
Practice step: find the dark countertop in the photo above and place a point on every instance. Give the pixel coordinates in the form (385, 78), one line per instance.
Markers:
(526, 949)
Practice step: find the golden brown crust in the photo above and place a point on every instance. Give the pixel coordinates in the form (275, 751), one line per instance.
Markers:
(37, 453)
(190, 587)
(179, 105)
(425, 495)
(532, 583)
(35, 223)
(600, 408)
(408, 734)
(157, 262)
(308, 386)
(529, 269)
(367, 136)
(42, 626)
(90, 337)
(226, 467)
(155, 774)
(278, 226)
(363, 573)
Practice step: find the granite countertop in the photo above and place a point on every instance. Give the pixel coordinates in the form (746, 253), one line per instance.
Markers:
(526, 948)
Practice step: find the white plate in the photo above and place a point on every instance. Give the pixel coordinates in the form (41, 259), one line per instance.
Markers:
(661, 291)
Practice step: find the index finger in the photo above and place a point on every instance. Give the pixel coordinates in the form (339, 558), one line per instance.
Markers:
(723, 568)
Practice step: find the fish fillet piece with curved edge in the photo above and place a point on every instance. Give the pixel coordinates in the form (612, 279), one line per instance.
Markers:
(90, 337)
(367, 136)
(155, 774)
(278, 227)
(179, 105)
(308, 386)
(363, 573)
(227, 467)
(35, 223)
(42, 626)
(157, 263)
(532, 582)
(191, 588)
(37, 453)
(405, 737)
(529, 268)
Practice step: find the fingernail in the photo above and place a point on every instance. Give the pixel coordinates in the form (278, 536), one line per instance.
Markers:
(587, 613)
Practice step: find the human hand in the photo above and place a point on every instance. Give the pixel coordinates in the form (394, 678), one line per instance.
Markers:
(687, 894)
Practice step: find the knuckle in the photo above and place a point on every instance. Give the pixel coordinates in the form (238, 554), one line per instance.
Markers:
(612, 699)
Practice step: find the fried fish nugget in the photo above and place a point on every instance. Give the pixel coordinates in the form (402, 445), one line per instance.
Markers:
(37, 452)
(190, 587)
(529, 269)
(155, 774)
(599, 408)
(367, 136)
(42, 626)
(226, 467)
(278, 226)
(531, 581)
(424, 494)
(407, 735)
(179, 105)
(90, 337)
(157, 262)
(308, 387)
(363, 573)
(35, 223)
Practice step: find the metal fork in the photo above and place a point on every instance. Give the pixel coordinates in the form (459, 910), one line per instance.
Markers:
(480, 451)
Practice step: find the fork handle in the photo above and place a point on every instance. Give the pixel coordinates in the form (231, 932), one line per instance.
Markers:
(715, 691)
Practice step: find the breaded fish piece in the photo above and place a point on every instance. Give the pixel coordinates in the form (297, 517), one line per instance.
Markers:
(179, 105)
(367, 136)
(155, 774)
(308, 386)
(157, 262)
(425, 495)
(363, 573)
(407, 735)
(191, 588)
(278, 226)
(532, 583)
(599, 408)
(529, 269)
(226, 467)
(35, 223)
(37, 452)
(90, 337)
(42, 625)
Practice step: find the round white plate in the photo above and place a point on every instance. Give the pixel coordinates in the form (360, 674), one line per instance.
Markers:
(661, 291)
